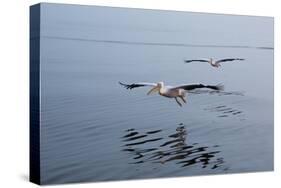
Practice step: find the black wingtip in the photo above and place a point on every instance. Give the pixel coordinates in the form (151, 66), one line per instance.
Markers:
(220, 87)
(122, 84)
(125, 85)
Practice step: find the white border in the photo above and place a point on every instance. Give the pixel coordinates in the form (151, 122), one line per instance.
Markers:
(14, 40)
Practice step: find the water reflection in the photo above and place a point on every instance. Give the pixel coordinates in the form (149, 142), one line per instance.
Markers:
(156, 147)
(226, 111)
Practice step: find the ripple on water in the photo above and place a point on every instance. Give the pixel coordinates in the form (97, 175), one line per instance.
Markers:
(154, 146)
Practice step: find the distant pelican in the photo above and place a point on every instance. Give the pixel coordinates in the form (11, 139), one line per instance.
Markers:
(214, 63)
(171, 91)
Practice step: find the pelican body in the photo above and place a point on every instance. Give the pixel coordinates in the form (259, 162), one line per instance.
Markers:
(214, 63)
(169, 92)
(176, 92)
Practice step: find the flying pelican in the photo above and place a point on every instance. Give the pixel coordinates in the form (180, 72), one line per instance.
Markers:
(213, 62)
(175, 92)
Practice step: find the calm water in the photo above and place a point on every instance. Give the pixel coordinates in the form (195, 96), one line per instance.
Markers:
(94, 130)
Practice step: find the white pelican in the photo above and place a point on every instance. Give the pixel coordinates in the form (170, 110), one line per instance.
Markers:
(175, 92)
(213, 62)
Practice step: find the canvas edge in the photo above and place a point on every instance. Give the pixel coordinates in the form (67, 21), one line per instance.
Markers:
(34, 95)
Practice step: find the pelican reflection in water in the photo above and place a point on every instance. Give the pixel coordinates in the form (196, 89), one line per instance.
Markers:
(172, 148)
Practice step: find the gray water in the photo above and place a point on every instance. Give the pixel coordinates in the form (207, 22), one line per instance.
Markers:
(93, 129)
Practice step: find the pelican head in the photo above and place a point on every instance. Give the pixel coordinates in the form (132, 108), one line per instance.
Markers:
(156, 88)
(160, 84)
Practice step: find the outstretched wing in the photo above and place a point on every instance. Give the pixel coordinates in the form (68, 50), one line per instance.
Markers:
(135, 85)
(229, 59)
(196, 86)
(196, 60)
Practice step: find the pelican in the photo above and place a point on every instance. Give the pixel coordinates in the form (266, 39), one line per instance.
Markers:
(175, 92)
(213, 62)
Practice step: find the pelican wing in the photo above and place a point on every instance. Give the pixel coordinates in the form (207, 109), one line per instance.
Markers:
(196, 86)
(229, 59)
(135, 85)
(196, 60)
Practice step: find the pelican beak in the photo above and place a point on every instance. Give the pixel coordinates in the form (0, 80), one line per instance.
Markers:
(155, 89)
